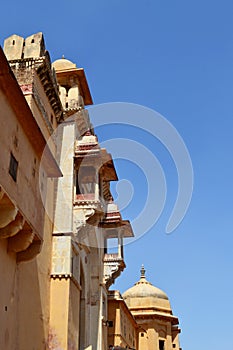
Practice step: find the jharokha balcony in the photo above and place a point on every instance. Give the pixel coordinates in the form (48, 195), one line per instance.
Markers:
(87, 207)
(113, 266)
(114, 228)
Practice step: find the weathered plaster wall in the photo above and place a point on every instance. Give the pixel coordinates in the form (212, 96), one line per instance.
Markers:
(8, 298)
(34, 296)
(25, 191)
(25, 297)
(60, 292)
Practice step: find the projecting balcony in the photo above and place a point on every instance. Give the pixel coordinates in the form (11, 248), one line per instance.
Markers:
(113, 266)
(113, 227)
(87, 207)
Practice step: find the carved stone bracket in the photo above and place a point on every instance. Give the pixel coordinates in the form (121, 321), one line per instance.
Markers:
(30, 253)
(88, 213)
(18, 232)
(12, 228)
(22, 240)
(81, 217)
(8, 210)
(113, 267)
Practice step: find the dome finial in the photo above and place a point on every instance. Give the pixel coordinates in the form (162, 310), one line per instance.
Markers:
(142, 271)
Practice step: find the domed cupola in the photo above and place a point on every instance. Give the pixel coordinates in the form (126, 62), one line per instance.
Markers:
(157, 326)
(73, 87)
(143, 295)
(63, 64)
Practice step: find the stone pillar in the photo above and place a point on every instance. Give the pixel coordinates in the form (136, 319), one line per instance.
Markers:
(120, 244)
(65, 187)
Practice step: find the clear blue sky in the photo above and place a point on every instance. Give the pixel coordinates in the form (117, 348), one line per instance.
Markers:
(175, 57)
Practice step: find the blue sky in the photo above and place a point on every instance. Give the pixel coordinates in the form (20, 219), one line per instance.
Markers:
(175, 57)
